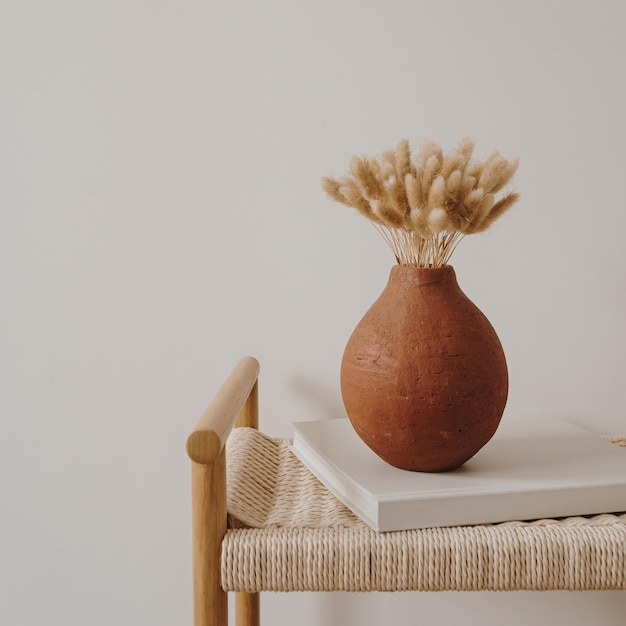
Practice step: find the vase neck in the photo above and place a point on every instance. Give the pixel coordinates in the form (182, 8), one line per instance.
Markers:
(419, 276)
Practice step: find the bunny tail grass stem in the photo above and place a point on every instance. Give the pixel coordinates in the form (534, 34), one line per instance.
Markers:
(414, 250)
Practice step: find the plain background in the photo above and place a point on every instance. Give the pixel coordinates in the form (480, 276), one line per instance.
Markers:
(162, 216)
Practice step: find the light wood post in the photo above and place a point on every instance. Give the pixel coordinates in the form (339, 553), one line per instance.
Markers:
(248, 605)
(247, 609)
(249, 415)
(208, 486)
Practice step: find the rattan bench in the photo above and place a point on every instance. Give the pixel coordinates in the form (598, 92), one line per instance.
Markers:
(273, 527)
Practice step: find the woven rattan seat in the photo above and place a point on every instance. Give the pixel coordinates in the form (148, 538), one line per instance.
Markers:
(299, 537)
(272, 526)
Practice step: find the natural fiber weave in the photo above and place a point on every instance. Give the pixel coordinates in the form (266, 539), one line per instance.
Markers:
(288, 533)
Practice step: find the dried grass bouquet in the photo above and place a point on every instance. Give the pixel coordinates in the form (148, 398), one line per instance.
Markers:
(424, 206)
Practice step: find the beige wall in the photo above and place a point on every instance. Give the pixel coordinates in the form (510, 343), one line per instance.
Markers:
(161, 216)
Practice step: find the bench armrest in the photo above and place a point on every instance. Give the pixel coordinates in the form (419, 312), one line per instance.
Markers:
(233, 400)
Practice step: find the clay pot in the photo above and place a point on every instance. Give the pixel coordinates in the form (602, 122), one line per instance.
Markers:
(424, 377)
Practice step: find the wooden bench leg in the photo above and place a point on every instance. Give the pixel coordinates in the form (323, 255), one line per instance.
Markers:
(247, 609)
(247, 605)
(208, 486)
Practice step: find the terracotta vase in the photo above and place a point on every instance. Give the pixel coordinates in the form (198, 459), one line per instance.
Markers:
(423, 377)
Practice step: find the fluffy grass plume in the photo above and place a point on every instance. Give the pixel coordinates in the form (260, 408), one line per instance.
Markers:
(424, 204)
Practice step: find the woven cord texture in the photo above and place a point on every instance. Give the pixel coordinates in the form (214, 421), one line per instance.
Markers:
(288, 533)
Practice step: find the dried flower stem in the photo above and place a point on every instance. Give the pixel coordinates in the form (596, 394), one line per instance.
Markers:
(413, 250)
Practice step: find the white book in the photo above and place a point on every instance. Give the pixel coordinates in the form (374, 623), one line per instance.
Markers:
(526, 471)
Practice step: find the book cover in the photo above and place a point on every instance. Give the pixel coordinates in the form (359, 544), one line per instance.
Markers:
(527, 471)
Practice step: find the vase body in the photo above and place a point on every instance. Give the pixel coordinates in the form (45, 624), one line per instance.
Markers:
(424, 377)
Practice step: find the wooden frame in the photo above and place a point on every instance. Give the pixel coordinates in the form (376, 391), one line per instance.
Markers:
(234, 405)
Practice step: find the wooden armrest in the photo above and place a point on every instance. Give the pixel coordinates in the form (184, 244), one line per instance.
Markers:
(209, 435)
